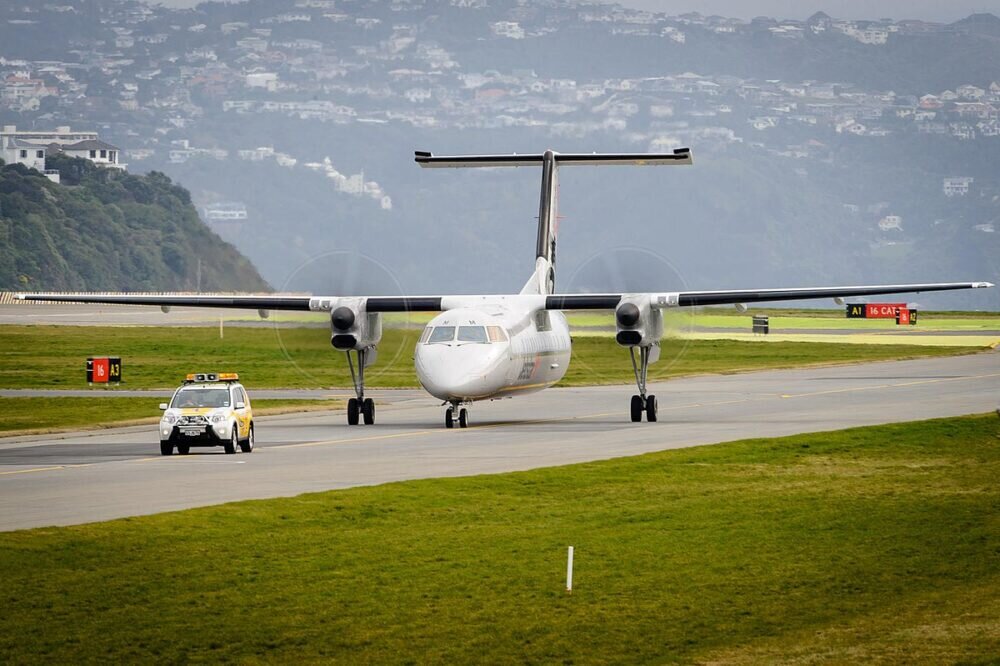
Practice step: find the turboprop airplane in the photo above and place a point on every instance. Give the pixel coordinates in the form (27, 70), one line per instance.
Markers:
(500, 345)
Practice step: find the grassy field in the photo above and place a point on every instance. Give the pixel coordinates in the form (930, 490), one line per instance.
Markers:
(713, 317)
(54, 356)
(27, 415)
(871, 545)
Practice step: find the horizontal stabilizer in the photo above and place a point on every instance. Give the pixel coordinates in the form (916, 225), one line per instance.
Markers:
(679, 156)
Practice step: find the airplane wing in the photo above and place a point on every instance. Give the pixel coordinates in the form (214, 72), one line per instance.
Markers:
(742, 296)
(247, 302)
(551, 301)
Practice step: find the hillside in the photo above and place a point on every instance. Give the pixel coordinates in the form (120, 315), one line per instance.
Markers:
(106, 230)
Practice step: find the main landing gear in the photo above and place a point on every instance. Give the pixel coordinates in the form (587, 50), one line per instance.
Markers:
(642, 402)
(360, 407)
(456, 414)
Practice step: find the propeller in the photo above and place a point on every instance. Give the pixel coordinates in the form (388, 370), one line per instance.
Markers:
(629, 269)
(339, 273)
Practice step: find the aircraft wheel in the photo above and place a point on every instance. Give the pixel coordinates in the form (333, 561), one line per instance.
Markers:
(651, 408)
(449, 422)
(368, 411)
(636, 408)
(463, 418)
(166, 448)
(233, 443)
(183, 449)
(352, 411)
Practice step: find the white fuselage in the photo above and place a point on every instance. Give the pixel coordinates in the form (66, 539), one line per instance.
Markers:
(492, 351)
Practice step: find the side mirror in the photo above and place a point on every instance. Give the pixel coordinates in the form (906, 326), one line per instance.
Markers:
(163, 406)
(241, 405)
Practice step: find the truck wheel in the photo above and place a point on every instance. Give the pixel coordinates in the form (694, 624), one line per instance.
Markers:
(166, 448)
(230, 446)
(247, 446)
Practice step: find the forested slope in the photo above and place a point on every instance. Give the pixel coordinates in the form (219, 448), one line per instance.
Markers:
(107, 230)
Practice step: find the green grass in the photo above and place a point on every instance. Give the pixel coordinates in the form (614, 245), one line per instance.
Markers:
(785, 319)
(18, 415)
(598, 360)
(54, 356)
(871, 545)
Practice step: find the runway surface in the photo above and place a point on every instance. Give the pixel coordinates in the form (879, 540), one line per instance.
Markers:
(84, 477)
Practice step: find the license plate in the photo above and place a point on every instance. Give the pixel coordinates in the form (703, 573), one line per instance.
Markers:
(193, 433)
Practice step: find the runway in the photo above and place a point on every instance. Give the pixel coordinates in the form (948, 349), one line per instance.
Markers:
(84, 477)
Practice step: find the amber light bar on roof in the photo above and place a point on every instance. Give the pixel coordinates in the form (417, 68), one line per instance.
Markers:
(212, 377)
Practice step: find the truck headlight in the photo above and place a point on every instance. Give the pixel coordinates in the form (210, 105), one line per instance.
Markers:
(218, 418)
(170, 419)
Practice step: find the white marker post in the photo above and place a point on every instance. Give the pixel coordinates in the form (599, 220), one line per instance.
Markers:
(220, 327)
(569, 570)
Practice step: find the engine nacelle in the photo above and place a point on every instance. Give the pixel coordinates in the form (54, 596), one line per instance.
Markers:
(352, 327)
(639, 325)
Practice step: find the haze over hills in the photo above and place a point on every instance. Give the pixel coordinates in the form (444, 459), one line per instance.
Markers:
(826, 151)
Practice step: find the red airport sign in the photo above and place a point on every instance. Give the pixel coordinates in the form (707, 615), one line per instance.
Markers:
(897, 311)
(102, 370)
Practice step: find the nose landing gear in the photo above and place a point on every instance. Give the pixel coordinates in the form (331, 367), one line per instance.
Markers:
(642, 402)
(456, 413)
(361, 407)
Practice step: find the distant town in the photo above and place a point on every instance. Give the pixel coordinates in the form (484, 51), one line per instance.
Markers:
(147, 63)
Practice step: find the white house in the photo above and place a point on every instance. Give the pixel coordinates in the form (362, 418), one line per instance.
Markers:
(958, 186)
(31, 147)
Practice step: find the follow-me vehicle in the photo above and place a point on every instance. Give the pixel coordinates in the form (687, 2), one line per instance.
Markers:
(209, 409)
(491, 346)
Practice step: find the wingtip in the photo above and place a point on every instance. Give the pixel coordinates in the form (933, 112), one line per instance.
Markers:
(983, 285)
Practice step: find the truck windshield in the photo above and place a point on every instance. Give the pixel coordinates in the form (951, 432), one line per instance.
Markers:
(201, 397)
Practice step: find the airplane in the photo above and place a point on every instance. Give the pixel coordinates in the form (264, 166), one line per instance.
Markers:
(494, 346)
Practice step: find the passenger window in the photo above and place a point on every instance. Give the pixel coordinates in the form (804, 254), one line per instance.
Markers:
(442, 334)
(471, 334)
(496, 334)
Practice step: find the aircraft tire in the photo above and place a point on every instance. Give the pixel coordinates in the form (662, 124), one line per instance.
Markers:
(651, 408)
(166, 448)
(449, 422)
(463, 418)
(352, 411)
(636, 408)
(368, 411)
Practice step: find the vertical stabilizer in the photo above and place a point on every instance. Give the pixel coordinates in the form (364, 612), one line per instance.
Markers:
(543, 279)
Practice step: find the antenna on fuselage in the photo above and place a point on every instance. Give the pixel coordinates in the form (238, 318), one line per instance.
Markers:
(545, 246)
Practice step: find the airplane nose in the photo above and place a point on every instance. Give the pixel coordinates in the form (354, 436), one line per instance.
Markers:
(459, 372)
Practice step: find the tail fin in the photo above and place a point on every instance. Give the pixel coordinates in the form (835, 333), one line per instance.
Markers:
(544, 277)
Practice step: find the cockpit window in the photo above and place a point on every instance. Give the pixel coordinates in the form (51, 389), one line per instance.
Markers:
(442, 334)
(472, 334)
(496, 334)
(426, 334)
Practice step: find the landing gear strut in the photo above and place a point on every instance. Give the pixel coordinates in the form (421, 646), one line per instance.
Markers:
(642, 402)
(360, 407)
(456, 413)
